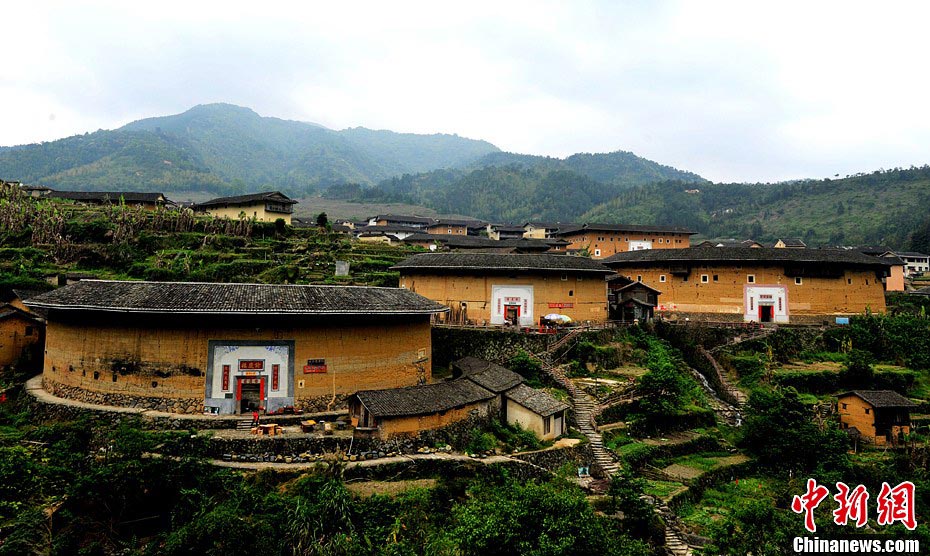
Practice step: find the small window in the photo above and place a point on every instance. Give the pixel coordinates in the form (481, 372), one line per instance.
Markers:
(849, 281)
(684, 278)
(28, 331)
(661, 278)
(547, 425)
(866, 281)
(867, 411)
(565, 277)
(716, 277)
(844, 406)
(639, 278)
(571, 293)
(597, 252)
(798, 281)
(705, 278)
(751, 278)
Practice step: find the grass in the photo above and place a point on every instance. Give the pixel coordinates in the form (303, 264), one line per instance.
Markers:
(717, 502)
(662, 489)
(703, 461)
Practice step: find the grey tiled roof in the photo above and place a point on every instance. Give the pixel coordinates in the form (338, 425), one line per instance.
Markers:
(623, 228)
(535, 400)
(272, 196)
(488, 375)
(109, 196)
(495, 261)
(881, 398)
(194, 297)
(743, 254)
(423, 399)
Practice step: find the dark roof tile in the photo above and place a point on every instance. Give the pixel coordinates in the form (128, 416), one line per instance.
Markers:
(195, 297)
(423, 399)
(881, 398)
(744, 254)
(504, 261)
(488, 375)
(535, 400)
(272, 196)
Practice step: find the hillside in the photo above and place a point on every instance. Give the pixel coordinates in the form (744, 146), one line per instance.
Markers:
(224, 149)
(514, 187)
(876, 208)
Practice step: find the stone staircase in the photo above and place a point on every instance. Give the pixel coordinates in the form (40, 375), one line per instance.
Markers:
(585, 409)
(244, 425)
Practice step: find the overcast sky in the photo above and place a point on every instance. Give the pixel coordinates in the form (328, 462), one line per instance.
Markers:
(735, 91)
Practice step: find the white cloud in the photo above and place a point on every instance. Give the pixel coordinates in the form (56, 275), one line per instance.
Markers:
(731, 90)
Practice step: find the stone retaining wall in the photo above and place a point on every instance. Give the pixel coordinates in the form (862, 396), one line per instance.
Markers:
(167, 405)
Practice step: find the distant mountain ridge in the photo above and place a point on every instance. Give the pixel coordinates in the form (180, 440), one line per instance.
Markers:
(225, 148)
(509, 187)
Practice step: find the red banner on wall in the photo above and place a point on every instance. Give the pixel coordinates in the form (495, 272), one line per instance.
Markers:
(275, 372)
(561, 305)
(315, 366)
(225, 377)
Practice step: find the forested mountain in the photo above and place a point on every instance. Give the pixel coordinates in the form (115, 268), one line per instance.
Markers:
(514, 187)
(620, 168)
(884, 207)
(226, 148)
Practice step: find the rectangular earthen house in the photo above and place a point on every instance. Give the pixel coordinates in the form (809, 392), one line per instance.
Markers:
(879, 416)
(757, 284)
(263, 207)
(490, 288)
(229, 348)
(603, 240)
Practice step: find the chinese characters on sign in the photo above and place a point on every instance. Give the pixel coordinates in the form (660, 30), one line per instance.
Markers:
(315, 366)
(251, 364)
(894, 504)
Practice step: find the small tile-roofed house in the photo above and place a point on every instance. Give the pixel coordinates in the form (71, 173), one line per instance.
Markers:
(227, 348)
(790, 243)
(480, 392)
(263, 207)
(418, 222)
(537, 411)
(499, 232)
(508, 289)
(19, 331)
(451, 226)
(880, 416)
(407, 411)
(631, 300)
(131, 198)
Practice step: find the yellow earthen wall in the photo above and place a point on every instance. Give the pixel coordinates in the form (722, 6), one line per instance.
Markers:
(13, 338)
(445, 230)
(412, 425)
(814, 296)
(358, 357)
(517, 414)
(895, 282)
(619, 242)
(589, 293)
(256, 211)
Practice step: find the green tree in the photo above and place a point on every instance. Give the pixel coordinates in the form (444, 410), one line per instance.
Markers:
(780, 432)
(322, 220)
(858, 371)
